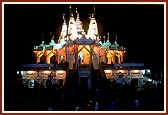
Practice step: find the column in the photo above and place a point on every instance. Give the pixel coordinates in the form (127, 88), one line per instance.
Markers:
(37, 59)
(109, 60)
(48, 59)
(114, 58)
(58, 58)
(121, 58)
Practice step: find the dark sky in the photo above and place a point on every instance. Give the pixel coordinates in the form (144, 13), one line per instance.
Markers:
(140, 28)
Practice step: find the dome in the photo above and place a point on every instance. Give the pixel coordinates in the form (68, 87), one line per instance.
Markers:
(108, 43)
(42, 44)
(52, 43)
(100, 42)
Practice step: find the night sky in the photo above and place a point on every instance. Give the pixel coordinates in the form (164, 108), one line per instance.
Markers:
(140, 28)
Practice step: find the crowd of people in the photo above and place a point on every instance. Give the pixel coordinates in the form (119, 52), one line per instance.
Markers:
(105, 95)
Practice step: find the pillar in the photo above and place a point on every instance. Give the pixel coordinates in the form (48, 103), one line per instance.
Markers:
(109, 60)
(58, 58)
(121, 58)
(114, 58)
(48, 59)
(37, 59)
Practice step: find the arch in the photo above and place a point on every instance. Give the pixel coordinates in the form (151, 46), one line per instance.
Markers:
(116, 59)
(53, 59)
(43, 59)
(83, 54)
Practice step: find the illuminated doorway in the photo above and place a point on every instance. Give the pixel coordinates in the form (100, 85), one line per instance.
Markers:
(84, 55)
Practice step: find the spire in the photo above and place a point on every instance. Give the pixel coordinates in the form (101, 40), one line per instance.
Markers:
(104, 39)
(108, 42)
(70, 12)
(108, 35)
(70, 9)
(51, 34)
(42, 43)
(90, 15)
(94, 9)
(77, 13)
(93, 14)
(64, 18)
(115, 43)
(52, 38)
(116, 37)
(42, 35)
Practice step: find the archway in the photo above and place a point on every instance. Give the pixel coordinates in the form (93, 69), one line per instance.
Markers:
(84, 55)
(53, 59)
(116, 59)
(43, 59)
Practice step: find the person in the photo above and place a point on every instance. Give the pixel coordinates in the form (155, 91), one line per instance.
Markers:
(96, 106)
(79, 60)
(50, 79)
(50, 108)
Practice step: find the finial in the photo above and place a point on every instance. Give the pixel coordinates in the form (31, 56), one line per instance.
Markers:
(71, 14)
(77, 13)
(92, 15)
(64, 18)
(89, 16)
(108, 35)
(116, 37)
(104, 39)
(94, 9)
(70, 8)
(42, 35)
(51, 34)
(52, 38)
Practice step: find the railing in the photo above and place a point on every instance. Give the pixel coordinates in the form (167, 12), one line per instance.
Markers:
(124, 66)
(44, 66)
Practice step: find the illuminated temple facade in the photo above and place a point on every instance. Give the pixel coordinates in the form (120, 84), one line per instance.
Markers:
(79, 47)
(83, 52)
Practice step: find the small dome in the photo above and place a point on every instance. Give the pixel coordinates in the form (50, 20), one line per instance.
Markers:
(100, 42)
(116, 44)
(52, 43)
(42, 44)
(108, 43)
(104, 45)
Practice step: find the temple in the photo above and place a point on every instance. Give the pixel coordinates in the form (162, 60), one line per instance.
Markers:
(79, 47)
(83, 52)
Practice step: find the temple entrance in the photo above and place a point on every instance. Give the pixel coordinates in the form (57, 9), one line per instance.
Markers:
(84, 55)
